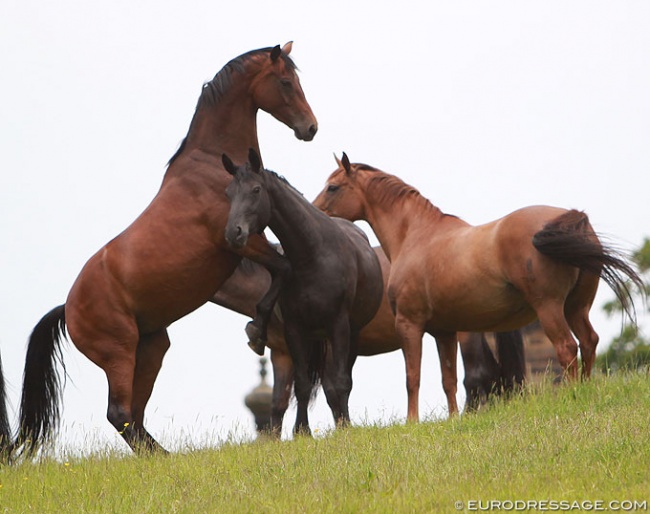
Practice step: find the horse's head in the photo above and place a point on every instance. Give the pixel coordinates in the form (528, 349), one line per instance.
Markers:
(342, 196)
(250, 206)
(276, 90)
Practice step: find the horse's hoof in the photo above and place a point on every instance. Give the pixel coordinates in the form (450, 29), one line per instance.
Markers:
(255, 340)
(257, 346)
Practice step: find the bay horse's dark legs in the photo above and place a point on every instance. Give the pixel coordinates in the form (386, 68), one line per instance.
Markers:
(282, 384)
(119, 364)
(149, 356)
(447, 344)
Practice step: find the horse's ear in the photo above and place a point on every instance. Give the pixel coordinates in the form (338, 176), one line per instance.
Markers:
(254, 159)
(275, 53)
(346, 164)
(228, 164)
(286, 49)
(338, 161)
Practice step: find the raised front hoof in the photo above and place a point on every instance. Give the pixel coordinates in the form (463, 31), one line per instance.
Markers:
(257, 346)
(255, 341)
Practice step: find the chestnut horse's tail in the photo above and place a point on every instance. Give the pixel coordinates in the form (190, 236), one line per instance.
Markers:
(5, 426)
(39, 404)
(569, 238)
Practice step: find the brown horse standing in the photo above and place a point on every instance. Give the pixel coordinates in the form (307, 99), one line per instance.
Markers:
(448, 276)
(170, 260)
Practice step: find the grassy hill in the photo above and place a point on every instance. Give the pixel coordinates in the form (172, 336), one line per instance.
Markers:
(575, 443)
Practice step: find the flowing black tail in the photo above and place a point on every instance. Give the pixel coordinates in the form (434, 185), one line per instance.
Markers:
(39, 405)
(569, 238)
(510, 352)
(5, 426)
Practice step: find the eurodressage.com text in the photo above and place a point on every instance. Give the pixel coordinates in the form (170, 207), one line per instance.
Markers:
(552, 505)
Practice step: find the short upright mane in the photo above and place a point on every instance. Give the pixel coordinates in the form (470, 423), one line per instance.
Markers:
(214, 89)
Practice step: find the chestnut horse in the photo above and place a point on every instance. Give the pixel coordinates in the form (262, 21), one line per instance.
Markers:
(334, 289)
(448, 276)
(484, 374)
(170, 260)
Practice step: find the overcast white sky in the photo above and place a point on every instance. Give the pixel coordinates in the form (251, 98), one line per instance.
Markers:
(485, 107)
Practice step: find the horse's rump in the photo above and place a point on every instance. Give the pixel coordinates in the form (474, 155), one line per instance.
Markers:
(570, 238)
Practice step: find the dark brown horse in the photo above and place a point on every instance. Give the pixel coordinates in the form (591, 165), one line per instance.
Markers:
(333, 290)
(484, 375)
(448, 276)
(170, 260)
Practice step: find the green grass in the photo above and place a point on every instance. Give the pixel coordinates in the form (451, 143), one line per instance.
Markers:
(578, 442)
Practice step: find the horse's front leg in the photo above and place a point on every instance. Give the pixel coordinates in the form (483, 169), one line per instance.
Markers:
(258, 250)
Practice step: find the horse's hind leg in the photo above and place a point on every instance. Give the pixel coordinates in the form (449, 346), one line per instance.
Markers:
(111, 343)
(149, 356)
(282, 383)
(448, 350)
(551, 317)
(576, 311)
(295, 339)
(339, 370)
(588, 338)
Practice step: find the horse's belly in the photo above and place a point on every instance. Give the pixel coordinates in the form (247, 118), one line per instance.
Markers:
(170, 294)
(155, 289)
(497, 310)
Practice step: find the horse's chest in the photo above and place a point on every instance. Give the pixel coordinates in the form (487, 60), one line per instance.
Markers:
(314, 297)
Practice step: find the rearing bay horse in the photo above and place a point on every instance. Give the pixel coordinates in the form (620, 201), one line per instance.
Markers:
(448, 276)
(170, 260)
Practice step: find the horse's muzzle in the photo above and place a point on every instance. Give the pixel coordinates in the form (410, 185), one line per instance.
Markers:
(236, 236)
(306, 133)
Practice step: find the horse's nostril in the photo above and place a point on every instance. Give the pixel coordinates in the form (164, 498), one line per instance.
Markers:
(312, 130)
(239, 231)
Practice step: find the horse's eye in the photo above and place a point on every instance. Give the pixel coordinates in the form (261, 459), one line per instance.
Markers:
(286, 83)
(332, 188)
(257, 189)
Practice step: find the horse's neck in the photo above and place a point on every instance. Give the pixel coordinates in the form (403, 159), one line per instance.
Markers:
(393, 223)
(293, 219)
(227, 126)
